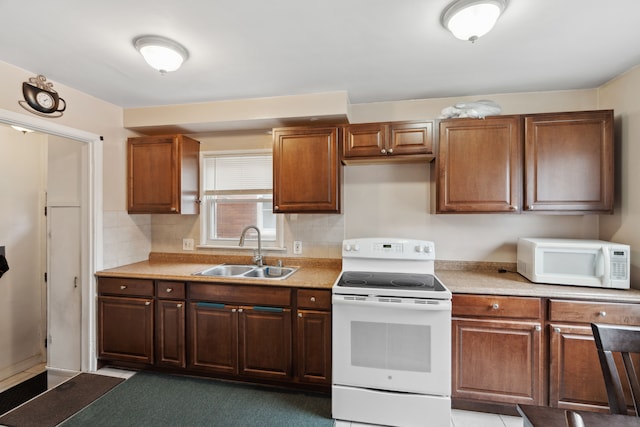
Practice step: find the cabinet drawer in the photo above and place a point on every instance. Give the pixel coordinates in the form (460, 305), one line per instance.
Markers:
(237, 294)
(594, 312)
(496, 306)
(314, 299)
(138, 287)
(173, 290)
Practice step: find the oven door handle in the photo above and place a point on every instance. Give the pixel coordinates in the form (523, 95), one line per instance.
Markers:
(443, 305)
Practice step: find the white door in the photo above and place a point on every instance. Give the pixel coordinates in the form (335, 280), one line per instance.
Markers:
(64, 256)
(64, 289)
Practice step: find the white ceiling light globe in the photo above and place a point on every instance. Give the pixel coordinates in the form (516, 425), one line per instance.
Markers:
(471, 19)
(160, 53)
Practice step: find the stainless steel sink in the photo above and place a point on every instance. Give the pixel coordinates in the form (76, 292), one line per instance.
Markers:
(268, 272)
(249, 271)
(226, 270)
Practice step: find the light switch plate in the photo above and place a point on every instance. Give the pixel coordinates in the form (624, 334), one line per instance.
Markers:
(297, 247)
(188, 245)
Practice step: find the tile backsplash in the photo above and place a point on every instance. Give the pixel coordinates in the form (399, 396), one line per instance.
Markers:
(127, 238)
(130, 238)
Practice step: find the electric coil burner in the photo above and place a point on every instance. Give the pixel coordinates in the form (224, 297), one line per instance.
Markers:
(391, 336)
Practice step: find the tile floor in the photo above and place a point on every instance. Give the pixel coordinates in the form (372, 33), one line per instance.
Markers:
(459, 418)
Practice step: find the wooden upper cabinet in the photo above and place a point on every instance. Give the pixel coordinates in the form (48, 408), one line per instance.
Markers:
(370, 142)
(569, 162)
(306, 170)
(163, 175)
(479, 165)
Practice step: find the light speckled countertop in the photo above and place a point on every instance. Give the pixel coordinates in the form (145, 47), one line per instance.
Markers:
(485, 278)
(312, 273)
(459, 277)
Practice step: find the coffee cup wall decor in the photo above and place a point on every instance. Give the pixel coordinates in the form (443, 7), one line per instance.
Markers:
(40, 98)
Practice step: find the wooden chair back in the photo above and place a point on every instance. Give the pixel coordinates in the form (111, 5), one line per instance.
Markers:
(625, 340)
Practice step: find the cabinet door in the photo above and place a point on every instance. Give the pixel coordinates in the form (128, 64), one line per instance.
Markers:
(306, 174)
(479, 165)
(575, 377)
(411, 138)
(365, 140)
(213, 336)
(569, 161)
(497, 361)
(125, 329)
(314, 346)
(170, 330)
(163, 174)
(265, 342)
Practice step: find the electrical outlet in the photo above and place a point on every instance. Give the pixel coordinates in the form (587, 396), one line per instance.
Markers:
(188, 245)
(297, 247)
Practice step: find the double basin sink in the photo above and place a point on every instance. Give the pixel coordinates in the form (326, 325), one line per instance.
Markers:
(248, 271)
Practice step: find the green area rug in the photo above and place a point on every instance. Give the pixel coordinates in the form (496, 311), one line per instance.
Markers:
(151, 399)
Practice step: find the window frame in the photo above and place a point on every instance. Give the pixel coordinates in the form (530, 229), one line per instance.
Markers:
(205, 213)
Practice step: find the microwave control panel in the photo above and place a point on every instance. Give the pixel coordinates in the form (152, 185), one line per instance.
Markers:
(619, 264)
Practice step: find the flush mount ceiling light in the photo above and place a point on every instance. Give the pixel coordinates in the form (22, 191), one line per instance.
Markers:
(472, 19)
(161, 53)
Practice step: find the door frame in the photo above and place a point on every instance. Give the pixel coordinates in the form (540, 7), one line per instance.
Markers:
(91, 220)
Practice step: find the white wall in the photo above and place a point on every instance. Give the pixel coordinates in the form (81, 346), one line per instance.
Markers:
(622, 94)
(22, 232)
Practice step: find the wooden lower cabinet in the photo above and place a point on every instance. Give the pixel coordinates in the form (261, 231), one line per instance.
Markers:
(125, 320)
(313, 336)
(575, 377)
(126, 329)
(502, 356)
(498, 361)
(497, 352)
(240, 332)
(240, 340)
(213, 336)
(265, 342)
(314, 346)
(170, 324)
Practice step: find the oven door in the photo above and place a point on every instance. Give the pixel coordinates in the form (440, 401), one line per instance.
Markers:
(396, 344)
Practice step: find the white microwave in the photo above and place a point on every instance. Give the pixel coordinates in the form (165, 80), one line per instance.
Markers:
(578, 262)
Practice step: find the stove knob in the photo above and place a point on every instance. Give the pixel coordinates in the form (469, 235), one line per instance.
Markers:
(356, 248)
(420, 249)
(347, 247)
(427, 249)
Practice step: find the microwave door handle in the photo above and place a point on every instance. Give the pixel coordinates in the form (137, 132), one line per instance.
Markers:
(606, 280)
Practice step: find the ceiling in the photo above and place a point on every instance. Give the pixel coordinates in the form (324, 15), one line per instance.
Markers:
(375, 50)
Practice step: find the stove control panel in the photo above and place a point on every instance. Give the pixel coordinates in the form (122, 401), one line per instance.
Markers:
(388, 248)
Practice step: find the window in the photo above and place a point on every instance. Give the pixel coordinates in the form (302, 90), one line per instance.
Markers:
(237, 192)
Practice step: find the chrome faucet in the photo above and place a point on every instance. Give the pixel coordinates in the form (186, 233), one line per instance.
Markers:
(257, 256)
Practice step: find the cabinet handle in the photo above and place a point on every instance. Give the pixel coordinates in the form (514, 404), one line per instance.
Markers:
(556, 330)
(513, 208)
(603, 313)
(299, 314)
(530, 207)
(123, 287)
(383, 151)
(147, 303)
(179, 305)
(169, 290)
(173, 209)
(538, 328)
(390, 151)
(276, 208)
(233, 310)
(240, 310)
(312, 299)
(495, 306)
